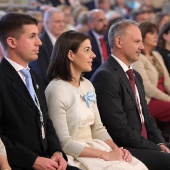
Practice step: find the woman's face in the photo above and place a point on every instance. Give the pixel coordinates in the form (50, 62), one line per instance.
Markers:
(151, 39)
(166, 37)
(82, 60)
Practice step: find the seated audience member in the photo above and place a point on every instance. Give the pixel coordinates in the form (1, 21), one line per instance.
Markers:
(78, 10)
(160, 19)
(54, 25)
(132, 4)
(155, 76)
(121, 8)
(104, 5)
(82, 23)
(3, 158)
(142, 14)
(121, 99)
(72, 106)
(158, 5)
(163, 46)
(54, 2)
(111, 16)
(166, 7)
(67, 10)
(39, 16)
(147, 4)
(18, 9)
(26, 130)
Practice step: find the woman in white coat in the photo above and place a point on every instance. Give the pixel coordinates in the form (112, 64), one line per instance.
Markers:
(72, 107)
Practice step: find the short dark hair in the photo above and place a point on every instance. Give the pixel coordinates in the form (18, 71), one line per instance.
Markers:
(11, 25)
(59, 66)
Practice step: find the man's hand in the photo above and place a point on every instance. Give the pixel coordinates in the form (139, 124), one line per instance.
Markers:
(42, 163)
(62, 164)
(164, 148)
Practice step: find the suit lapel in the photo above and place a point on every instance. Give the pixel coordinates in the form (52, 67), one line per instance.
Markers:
(36, 87)
(17, 83)
(122, 75)
(141, 94)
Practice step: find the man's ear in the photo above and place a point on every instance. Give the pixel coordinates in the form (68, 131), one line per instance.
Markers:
(11, 42)
(118, 42)
(90, 24)
(70, 55)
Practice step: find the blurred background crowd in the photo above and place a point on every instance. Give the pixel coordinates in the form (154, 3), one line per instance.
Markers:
(75, 13)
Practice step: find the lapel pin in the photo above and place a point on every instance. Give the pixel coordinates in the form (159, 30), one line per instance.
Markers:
(37, 86)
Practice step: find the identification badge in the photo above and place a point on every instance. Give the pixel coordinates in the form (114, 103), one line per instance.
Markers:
(43, 131)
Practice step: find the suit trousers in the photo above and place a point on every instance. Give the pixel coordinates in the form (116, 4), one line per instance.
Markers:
(154, 160)
(68, 168)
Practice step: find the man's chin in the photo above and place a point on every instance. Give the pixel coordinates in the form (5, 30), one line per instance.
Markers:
(136, 59)
(34, 58)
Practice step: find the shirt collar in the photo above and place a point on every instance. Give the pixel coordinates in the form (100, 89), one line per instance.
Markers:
(97, 35)
(16, 66)
(123, 65)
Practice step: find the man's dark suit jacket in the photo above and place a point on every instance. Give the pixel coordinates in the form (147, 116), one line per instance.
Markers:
(40, 65)
(95, 48)
(20, 120)
(118, 109)
(53, 2)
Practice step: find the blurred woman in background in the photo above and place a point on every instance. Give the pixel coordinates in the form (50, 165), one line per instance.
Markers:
(163, 46)
(155, 76)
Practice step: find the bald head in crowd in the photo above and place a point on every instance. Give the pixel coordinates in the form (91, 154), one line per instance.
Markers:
(97, 21)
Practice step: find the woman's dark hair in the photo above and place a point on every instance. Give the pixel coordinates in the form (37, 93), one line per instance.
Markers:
(164, 30)
(59, 66)
(146, 27)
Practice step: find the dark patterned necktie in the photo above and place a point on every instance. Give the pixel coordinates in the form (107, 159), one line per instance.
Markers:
(132, 83)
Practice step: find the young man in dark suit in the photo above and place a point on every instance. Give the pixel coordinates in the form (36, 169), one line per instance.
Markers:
(26, 130)
(122, 103)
